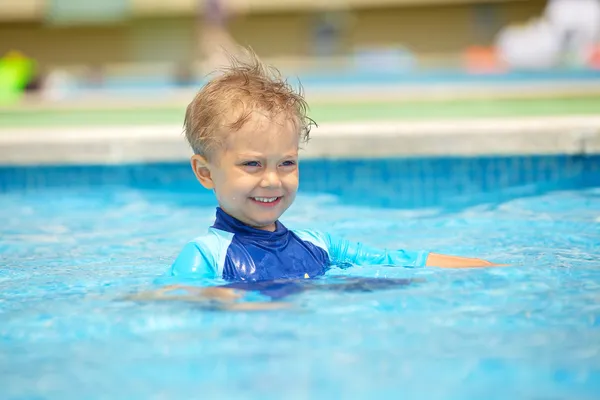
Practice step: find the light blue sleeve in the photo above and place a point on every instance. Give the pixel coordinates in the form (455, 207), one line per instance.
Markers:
(195, 261)
(203, 257)
(344, 251)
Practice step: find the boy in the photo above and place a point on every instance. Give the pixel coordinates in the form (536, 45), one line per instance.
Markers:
(245, 127)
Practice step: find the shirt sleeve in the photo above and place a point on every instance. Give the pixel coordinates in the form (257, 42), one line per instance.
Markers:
(195, 261)
(200, 261)
(344, 251)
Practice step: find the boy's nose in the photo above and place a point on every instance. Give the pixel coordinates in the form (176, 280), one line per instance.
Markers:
(270, 179)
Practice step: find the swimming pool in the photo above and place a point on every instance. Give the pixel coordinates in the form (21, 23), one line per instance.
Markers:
(76, 240)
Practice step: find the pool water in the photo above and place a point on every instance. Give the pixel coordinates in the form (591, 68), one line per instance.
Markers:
(70, 255)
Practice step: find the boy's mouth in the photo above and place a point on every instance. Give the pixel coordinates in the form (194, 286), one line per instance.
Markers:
(266, 201)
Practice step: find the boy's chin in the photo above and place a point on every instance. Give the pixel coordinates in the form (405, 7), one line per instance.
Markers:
(264, 223)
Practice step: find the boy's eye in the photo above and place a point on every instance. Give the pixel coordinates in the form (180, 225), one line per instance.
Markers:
(251, 164)
(288, 163)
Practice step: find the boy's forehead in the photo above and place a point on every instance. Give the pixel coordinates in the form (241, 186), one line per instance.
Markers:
(259, 120)
(260, 131)
(261, 143)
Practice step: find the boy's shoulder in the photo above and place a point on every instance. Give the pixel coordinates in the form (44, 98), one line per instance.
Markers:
(203, 256)
(213, 240)
(317, 238)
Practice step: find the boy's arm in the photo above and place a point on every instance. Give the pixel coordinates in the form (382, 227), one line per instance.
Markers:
(344, 251)
(446, 261)
(217, 298)
(197, 261)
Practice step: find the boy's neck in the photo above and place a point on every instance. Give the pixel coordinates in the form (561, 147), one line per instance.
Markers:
(224, 215)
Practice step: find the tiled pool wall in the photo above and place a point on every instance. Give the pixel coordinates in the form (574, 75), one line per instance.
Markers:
(385, 163)
(414, 182)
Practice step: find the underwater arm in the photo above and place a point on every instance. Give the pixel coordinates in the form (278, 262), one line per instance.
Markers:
(195, 266)
(213, 298)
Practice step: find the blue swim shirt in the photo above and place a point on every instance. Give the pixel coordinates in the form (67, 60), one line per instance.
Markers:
(235, 252)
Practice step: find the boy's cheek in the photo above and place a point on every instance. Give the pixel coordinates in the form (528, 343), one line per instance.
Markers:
(292, 181)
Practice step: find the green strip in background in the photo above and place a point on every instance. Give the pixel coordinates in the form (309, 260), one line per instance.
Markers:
(321, 112)
(86, 12)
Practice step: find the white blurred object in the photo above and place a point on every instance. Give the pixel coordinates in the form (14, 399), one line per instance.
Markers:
(578, 23)
(533, 46)
(57, 85)
(569, 29)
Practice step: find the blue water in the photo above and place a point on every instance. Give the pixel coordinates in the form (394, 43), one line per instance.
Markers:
(71, 252)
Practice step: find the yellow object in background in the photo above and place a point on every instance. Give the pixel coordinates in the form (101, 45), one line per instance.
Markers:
(16, 70)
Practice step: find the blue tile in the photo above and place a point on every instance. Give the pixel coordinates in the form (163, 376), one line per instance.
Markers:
(394, 182)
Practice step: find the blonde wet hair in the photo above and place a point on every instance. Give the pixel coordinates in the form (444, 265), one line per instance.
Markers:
(227, 102)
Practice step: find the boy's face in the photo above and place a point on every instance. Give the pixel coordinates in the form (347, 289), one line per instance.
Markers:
(255, 173)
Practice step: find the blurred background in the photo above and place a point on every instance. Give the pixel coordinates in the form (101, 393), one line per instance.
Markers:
(154, 54)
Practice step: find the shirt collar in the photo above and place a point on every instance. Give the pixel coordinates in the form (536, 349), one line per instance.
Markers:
(226, 222)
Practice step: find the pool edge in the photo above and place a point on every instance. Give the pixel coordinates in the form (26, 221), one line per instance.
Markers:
(457, 137)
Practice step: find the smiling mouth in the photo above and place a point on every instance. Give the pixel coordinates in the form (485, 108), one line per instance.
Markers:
(266, 201)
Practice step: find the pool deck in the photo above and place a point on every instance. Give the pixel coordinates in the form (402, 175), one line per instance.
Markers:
(575, 135)
(441, 119)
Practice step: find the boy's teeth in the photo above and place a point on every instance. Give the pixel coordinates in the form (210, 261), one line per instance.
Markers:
(265, 199)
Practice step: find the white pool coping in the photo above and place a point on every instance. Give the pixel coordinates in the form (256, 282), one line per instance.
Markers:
(456, 137)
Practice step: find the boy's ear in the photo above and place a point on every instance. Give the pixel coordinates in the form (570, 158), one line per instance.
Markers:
(202, 171)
